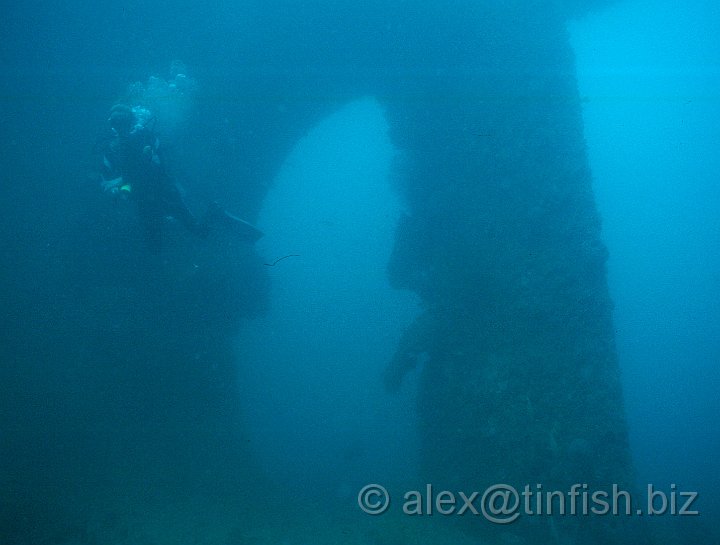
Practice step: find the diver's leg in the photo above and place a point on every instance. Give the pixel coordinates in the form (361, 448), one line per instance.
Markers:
(176, 207)
(151, 219)
(217, 217)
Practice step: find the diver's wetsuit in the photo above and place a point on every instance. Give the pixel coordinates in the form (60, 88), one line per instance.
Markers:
(134, 157)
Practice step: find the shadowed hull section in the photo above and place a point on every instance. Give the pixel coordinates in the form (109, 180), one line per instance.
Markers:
(503, 245)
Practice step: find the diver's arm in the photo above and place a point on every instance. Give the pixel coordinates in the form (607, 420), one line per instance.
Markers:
(147, 141)
(113, 186)
(110, 168)
(110, 178)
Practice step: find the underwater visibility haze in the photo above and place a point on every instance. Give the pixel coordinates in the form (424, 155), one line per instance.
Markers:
(368, 273)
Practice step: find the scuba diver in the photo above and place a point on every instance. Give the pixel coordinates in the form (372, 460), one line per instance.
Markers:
(133, 168)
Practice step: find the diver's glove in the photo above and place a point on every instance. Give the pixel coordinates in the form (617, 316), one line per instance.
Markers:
(116, 187)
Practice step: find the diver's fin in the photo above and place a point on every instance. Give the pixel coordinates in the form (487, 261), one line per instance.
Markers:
(246, 231)
(217, 218)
